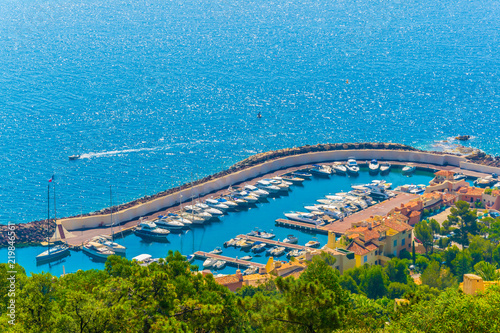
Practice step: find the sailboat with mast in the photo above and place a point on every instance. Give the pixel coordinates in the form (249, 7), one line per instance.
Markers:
(57, 251)
(109, 241)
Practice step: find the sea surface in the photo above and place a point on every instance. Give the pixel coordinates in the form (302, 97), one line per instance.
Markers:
(214, 234)
(155, 93)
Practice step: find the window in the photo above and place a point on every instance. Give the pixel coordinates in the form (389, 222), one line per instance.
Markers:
(395, 242)
(366, 259)
(403, 242)
(395, 253)
(409, 236)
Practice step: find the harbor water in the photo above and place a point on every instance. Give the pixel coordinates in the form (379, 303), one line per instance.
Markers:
(214, 234)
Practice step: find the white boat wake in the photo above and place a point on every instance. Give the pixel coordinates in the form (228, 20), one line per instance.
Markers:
(119, 152)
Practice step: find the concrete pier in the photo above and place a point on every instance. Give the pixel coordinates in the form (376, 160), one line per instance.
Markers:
(301, 226)
(273, 242)
(229, 260)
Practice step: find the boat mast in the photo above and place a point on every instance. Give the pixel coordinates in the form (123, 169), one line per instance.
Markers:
(48, 215)
(111, 207)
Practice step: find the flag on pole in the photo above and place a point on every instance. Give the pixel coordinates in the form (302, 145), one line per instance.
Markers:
(51, 179)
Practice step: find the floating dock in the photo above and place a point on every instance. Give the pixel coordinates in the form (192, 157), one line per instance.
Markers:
(229, 260)
(273, 242)
(301, 226)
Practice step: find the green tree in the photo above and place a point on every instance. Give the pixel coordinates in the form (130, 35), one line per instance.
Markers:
(462, 264)
(396, 271)
(348, 283)
(451, 311)
(480, 249)
(374, 282)
(494, 229)
(436, 228)
(466, 219)
(437, 277)
(487, 271)
(424, 233)
(304, 307)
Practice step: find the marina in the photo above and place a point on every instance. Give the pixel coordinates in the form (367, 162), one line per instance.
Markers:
(210, 235)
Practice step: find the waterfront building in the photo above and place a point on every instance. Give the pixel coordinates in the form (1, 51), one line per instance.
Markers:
(471, 194)
(443, 181)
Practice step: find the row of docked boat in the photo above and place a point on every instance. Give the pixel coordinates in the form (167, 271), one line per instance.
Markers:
(351, 167)
(342, 204)
(201, 213)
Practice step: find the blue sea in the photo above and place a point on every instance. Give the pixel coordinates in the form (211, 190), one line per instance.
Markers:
(155, 93)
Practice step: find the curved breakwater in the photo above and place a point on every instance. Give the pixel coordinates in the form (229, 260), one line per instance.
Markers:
(262, 164)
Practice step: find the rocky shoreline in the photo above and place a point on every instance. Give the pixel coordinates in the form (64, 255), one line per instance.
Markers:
(31, 233)
(35, 232)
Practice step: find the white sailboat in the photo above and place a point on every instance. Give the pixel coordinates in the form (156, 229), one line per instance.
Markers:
(57, 251)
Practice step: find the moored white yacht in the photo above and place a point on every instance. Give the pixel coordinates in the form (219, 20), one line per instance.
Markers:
(385, 167)
(321, 170)
(352, 166)
(195, 218)
(209, 262)
(256, 191)
(212, 211)
(150, 230)
(229, 203)
(409, 168)
(216, 204)
(267, 186)
(96, 250)
(106, 241)
(292, 179)
(338, 168)
(374, 166)
(305, 217)
(168, 223)
(53, 253)
(302, 174)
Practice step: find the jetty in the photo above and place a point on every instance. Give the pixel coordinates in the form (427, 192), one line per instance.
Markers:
(301, 226)
(273, 242)
(229, 260)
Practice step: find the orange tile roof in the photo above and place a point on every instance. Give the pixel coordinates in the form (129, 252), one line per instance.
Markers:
(371, 234)
(411, 204)
(414, 214)
(357, 249)
(431, 195)
(397, 225)
(444, 173)
(449, 196)
(371, 246)
(474, 191)
(227, 279)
